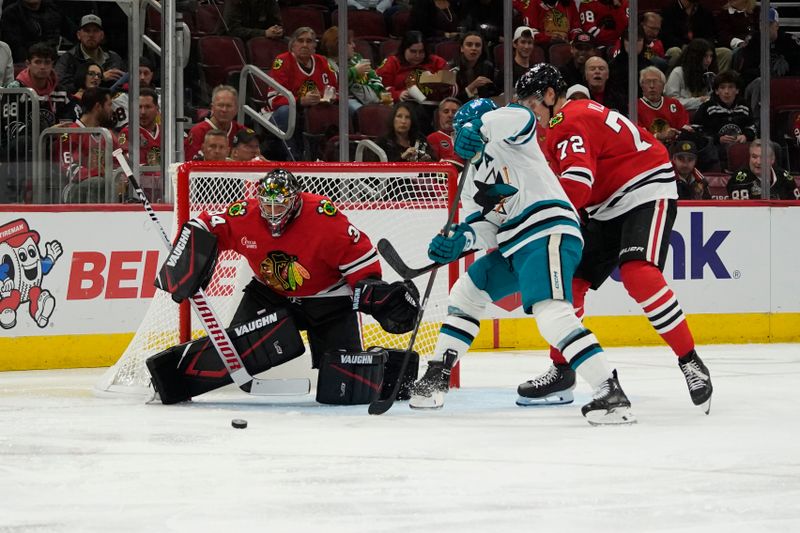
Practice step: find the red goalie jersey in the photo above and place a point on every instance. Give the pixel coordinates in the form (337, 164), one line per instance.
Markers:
(319, 252)
(607, 164)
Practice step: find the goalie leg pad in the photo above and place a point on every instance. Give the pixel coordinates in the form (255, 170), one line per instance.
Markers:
(391, 373)
(193, 368)
(350, 378)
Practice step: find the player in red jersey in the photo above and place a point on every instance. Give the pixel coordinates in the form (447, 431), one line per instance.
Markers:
(309, 259)
(605, 20)
(621, 176)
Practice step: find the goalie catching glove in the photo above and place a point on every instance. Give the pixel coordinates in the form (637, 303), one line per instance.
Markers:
(447, 248)
(394, 305)
(190, 264)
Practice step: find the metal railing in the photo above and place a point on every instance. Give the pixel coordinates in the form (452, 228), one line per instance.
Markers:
(372, 146)
(256, 114)
(79, 169)
(20, 123)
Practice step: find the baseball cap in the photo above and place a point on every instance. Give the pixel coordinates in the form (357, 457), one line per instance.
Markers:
(773, 15)
(577, 88)
(519, 32)
(244, 136)
(583, 39)
(683, 147)
(91, 19)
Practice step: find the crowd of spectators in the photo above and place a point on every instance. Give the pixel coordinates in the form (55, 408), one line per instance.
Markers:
(697, 61)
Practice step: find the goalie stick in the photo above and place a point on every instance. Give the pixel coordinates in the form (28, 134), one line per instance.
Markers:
(378, 407)
(211, 323)
(393, 259)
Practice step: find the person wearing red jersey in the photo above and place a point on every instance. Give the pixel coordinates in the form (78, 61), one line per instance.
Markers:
(605, 20)
(401, 72)
(81, 155)
(224, 107)
(663, 116)
(306, 74)
(308, 258)
(149, 144)
(553, 20)
(441, 140)
(622, 177)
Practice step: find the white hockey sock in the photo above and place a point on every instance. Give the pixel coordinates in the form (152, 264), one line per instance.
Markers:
(457, 334)
(584, 354)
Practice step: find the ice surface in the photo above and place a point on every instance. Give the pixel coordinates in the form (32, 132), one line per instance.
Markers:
(70, 461)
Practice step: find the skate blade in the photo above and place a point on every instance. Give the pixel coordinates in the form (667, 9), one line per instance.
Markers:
(560, 398)
(613, 417)
(706, 406)
(427, 402)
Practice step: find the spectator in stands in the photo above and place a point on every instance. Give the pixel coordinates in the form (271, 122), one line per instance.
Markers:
(578, 92)
(378, 5)
(653, 46)
(27, 22)
(82, 156)
(736, 22)
(39, 76)
(596, 73)
(245, 147)
(119, 99)
(405, 141)
(692, 79)
(618, 68)
(745, 184)
(441, 140)
(436, 20)
(89, 75)
(90, 37)
(583, 47)
(149, 144)
(784, 53)
(401, 71)
(6, 65)
(475, 74)
(692, 185)
(686, 20)
(605, 20)
(363, 83)
(224, 107)
(663, 116)
(523, 50)
(216, 147)
(554, 21)
(725, 117)
(246, 19)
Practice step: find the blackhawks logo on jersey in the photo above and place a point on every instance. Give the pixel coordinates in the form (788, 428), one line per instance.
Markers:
(281, 272)
(237, 209)
(326, 207)
(277, 64)
(556, 120)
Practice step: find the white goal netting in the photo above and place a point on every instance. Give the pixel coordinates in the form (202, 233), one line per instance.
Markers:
(405, 203)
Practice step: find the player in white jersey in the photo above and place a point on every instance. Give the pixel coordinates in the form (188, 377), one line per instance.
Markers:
(516, 208)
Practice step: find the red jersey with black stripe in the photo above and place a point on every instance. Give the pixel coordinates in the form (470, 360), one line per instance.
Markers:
(607, 164)
(298, 80)
(319, 253)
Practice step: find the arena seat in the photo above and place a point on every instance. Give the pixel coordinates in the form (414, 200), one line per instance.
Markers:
(297, 16)
(261, 51)
(400, 22)
(387, 48)
(365, 24)
(560, 54)
(218, 57)
(449, 50)
(373, 119)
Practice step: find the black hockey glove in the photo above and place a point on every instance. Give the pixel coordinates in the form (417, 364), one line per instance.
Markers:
(190, 265)
(394, 305)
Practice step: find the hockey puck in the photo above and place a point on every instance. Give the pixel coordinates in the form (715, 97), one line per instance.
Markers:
(239, 423)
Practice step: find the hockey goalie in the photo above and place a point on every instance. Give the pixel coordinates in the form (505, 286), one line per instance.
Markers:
(314, 271)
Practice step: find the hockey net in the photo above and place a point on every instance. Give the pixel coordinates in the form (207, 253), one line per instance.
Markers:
(403, 202)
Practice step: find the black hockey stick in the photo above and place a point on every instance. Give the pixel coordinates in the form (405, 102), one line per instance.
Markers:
(393, 259)
(378, 407)
(211, 323)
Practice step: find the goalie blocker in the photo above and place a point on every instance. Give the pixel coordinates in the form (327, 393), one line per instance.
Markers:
(354, 378)
(190, 264)
(193, 368)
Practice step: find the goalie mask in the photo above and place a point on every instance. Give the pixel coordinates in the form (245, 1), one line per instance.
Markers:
(278, 195)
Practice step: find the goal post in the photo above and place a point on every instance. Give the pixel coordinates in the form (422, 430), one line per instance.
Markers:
(403, 202)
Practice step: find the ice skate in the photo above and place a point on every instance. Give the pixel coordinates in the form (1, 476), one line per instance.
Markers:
(698, 379)
(609, 405)
(554, 387)
(428, 392)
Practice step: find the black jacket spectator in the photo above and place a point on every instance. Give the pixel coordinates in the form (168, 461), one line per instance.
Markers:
(68, 64)
(22, 27)
(746, 185)
(716, 119)
(677, 25)
(250, 18)
(784, 57)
